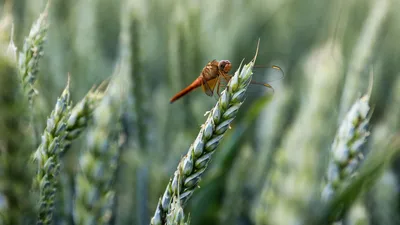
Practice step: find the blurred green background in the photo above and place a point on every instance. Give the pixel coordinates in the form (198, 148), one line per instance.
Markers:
(273, 161)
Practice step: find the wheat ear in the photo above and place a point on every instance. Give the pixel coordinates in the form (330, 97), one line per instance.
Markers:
(346, 151)
(81, 114)
(192, 166)
(94, 190)
(32, 51)
(47, 156)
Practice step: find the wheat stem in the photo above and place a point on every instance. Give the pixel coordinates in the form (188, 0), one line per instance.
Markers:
(363, 52)
(194, 163)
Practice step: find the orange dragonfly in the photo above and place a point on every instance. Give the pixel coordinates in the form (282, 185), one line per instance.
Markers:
(212, 75)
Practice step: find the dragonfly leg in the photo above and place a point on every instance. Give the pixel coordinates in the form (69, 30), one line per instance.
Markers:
(218, 91)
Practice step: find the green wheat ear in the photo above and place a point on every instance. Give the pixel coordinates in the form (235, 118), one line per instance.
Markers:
(176, 216)
(192, 166)
(82, 113)
(94, 189)
(47, 156)
(346, 152)
(32, 51)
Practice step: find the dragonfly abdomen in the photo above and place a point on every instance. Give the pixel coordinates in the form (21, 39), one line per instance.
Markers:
(195, 84)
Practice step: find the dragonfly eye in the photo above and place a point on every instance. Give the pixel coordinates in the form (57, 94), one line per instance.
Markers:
(224, 65)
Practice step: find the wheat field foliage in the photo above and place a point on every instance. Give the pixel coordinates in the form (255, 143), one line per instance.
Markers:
(88, 136)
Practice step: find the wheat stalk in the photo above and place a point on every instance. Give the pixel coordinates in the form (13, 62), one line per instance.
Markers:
(47, 156)
(363, 52)
(194, 163)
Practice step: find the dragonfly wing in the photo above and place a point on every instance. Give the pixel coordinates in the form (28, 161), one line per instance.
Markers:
(223, 82)
(208, 86)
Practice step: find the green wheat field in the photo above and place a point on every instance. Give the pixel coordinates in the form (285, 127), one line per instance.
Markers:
(88, 135)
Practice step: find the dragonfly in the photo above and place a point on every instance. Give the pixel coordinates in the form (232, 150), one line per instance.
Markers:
(215, 75)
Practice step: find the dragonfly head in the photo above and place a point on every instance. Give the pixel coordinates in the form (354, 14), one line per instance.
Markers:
(225, 66)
